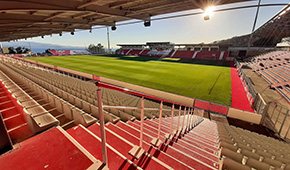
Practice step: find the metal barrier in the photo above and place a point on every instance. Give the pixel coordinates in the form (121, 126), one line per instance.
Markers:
(255, 99)
(137, 151)
(211, 107)
(246, 81)
(277, 118)
(259, 104)
(274, 116)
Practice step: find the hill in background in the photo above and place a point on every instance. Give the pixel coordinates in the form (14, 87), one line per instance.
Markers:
(39, 47)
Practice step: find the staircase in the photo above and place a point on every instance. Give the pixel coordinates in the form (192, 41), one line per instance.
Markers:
(190, 146)
(196, 149)
(13, 118)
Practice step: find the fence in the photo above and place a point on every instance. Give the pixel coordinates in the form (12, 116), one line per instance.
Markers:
(277, 118)
(255, 99)
(274, 116)
(188, 122)
(246, 82)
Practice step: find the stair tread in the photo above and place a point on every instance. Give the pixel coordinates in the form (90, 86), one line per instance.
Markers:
(173, 161)
(124, 147)
(93, 145)
(51, 147)
(191, 161)
(194, 152)
(13, 121)
(196, 143)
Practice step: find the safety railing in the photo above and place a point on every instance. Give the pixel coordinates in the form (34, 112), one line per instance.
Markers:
(188, 122)
(246, 81)
(277, 118)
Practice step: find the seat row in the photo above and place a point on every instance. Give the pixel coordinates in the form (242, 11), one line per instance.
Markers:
(36, 120)
(247, 149)
(68, 114)
(55, 79)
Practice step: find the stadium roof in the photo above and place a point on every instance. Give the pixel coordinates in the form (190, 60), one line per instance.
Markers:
(21, 19)
(278, 26)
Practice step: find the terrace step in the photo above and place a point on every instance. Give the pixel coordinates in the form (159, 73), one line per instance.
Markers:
(54, 147)
(193, 151)
(194, 142)
(93, 145)
(124, 146)
(175, 160)
(8, 112)
(170, 150)
(13, 121)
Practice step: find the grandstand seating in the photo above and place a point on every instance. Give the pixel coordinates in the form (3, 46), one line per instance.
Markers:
(12, 113)
(159, 53)
(188, 141)
(134, 52)
(196, 55)
(208, 55)
(274, 67)
(83, 95)
(144, 52)
(245, 149)
(184, 54)
(198, 147)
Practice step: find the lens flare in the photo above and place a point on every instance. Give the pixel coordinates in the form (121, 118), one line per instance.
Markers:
(208, 12)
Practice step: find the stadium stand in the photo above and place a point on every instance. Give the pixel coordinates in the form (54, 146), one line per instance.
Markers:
(183, 54)
(274, 68)
(12, 113)
(40, 104)
(134, 52)
(176, 53)
(83, 94)
(246, 150)
(187, 141)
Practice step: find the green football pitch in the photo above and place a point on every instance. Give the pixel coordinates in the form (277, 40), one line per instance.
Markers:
(206, 80)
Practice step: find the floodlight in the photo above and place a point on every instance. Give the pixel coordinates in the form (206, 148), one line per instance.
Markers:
(208, 12)
(147, 23)
(114, 27)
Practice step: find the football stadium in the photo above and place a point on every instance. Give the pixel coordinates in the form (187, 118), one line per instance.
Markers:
(151, 105)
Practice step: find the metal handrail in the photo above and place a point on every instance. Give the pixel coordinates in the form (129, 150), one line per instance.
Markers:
(128, 91)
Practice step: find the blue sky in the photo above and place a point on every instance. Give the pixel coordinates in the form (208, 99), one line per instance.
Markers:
(190, 29)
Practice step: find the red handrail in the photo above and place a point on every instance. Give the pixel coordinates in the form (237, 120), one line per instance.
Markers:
(124, 90)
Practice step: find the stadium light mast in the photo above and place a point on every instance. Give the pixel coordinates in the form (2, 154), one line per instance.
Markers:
(254, 27)
(108, 36)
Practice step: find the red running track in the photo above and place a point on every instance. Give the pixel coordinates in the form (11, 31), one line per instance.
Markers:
(239, 97)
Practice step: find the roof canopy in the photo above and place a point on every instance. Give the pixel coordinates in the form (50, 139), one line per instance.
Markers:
(30, 18)
(278, 26)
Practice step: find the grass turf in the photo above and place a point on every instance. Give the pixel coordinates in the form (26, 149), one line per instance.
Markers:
(206, 80)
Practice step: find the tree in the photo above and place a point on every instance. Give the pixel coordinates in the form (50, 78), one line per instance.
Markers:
(48, 51)
(18, 50)
(11, 50)
(96, 49)
(26, 50)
